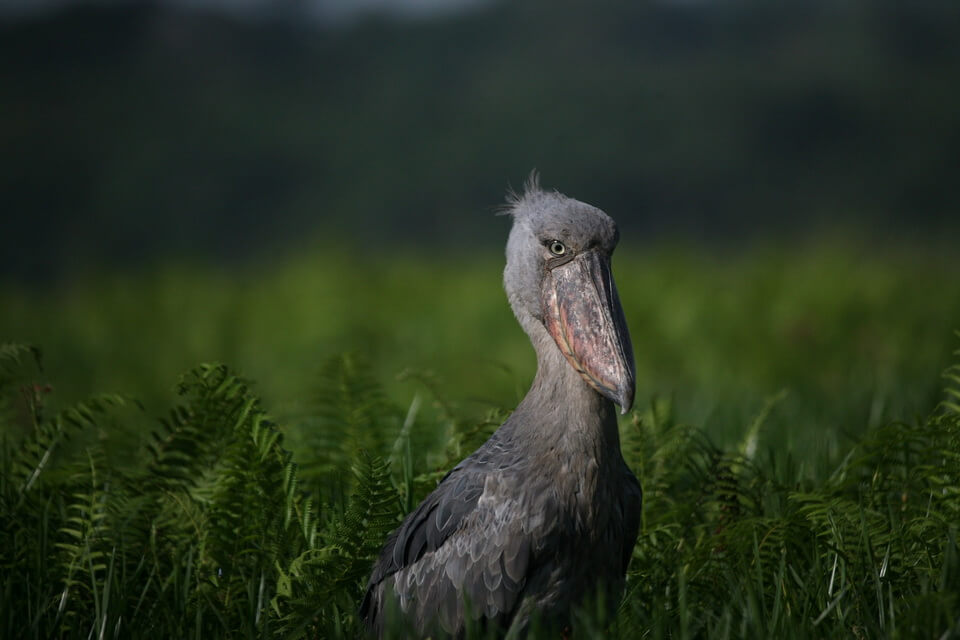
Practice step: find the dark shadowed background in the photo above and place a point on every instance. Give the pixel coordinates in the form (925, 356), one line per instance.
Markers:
(231, 130)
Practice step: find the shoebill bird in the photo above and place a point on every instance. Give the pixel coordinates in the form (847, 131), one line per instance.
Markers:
(545, 514)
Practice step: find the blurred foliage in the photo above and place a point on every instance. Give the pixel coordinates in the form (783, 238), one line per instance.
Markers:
(856, 337)
(133, 130)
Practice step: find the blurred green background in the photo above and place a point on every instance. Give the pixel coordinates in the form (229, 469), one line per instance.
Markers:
(272, 183)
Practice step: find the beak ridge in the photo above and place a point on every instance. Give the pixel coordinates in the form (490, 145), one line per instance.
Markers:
(584, 316)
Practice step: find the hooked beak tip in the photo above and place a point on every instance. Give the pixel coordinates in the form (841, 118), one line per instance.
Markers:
(625, 400)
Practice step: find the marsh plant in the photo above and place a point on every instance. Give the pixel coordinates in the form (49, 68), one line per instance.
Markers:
(214, 528)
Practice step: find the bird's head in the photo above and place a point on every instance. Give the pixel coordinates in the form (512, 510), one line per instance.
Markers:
(558, 278)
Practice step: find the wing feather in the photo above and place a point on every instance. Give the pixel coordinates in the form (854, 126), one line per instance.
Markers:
(455, 552)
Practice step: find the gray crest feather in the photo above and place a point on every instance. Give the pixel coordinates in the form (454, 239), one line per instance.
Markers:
(515, 201)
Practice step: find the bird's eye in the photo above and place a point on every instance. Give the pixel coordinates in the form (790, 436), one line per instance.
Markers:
(557, 248)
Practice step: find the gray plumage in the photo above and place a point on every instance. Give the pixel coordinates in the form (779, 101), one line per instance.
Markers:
(546, 512)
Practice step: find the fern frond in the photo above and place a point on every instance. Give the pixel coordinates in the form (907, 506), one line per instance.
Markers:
(347, 411)
(14, 357)
(37, 450)
(321, 586)
(951, 393)
(83, 547)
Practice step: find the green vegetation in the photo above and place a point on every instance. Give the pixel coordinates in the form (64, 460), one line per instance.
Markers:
(798, 443)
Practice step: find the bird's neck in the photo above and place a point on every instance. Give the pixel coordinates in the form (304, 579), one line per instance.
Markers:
(561, 411)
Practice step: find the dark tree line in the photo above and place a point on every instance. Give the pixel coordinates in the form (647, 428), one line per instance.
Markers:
(136, 132)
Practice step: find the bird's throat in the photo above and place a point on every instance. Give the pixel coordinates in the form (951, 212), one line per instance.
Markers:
(563, 410)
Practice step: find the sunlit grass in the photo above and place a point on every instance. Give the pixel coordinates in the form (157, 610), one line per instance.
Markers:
(855, 338)
(814, 495)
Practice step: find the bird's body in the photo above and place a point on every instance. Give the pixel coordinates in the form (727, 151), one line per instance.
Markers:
(545, 514)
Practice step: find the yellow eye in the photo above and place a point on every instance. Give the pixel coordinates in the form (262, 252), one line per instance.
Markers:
(557, 248)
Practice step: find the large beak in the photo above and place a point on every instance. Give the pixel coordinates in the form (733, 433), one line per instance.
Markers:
(583, 314)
